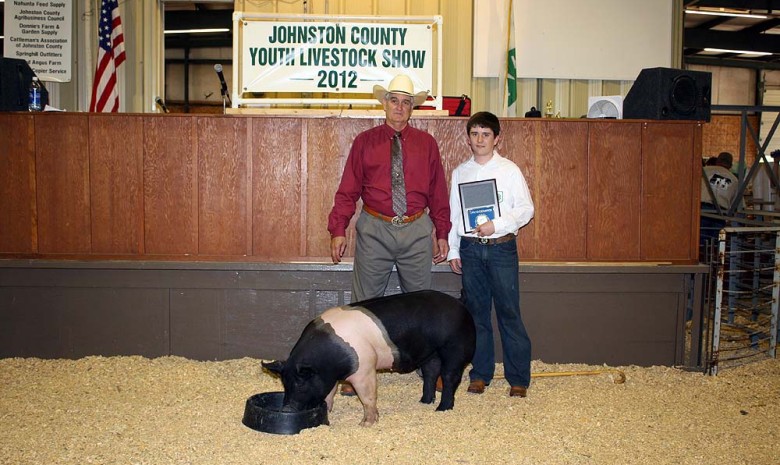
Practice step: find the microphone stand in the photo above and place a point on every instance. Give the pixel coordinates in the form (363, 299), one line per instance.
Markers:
(225, 100)
(223, 88)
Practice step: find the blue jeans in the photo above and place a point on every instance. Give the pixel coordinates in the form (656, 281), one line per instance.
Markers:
(490, 277)
(709, 228)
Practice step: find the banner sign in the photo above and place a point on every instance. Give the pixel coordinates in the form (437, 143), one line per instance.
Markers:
(338, 57)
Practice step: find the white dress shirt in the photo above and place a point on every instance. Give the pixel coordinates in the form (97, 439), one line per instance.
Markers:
(514, 198)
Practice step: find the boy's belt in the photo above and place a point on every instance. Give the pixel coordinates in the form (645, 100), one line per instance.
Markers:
(486, 241)
(396, 220)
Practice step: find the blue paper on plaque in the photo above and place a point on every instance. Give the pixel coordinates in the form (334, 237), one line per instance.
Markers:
(480, 215)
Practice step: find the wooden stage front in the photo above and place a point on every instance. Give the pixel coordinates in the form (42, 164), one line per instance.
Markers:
(205, 236)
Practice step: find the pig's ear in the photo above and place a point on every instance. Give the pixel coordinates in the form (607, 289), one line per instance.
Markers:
(274, 367)
(306, 371)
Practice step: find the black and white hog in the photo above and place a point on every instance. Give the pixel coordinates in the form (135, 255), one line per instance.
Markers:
(425, 329)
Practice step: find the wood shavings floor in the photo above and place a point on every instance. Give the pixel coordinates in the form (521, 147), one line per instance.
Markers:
(170, 410)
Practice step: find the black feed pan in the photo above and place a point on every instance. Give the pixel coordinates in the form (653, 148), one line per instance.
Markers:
(263, 413)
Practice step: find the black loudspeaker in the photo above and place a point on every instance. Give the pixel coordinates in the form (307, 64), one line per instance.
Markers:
(666, 93)
(15, 78)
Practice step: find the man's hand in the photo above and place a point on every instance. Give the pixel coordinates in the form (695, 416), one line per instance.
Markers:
(338, 245)
(440, 250)
(456, 266)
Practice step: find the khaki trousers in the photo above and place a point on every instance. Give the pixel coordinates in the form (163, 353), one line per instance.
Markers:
(380, 245)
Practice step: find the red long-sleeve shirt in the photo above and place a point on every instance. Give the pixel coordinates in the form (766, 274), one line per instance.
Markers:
(367, 176)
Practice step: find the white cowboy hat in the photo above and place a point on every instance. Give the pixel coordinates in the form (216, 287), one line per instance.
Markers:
(401, 84)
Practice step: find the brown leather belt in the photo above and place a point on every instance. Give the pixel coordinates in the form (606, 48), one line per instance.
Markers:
(486, 241)
(396, 220)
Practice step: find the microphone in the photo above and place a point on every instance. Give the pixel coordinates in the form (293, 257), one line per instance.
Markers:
(161, 104)
(218, 69)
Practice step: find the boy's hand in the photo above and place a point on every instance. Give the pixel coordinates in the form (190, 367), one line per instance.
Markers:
(485, 229)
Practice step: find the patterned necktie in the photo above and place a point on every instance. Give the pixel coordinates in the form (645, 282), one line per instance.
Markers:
(397, 177)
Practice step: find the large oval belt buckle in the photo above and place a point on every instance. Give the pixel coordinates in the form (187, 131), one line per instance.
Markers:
(397, 220)
(484, 240)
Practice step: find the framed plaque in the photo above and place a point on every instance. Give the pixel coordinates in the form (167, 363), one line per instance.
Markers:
(478, 203)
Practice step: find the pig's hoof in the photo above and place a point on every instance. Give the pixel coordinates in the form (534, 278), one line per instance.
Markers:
(348, 390)
(370, 416)
(445, 406)
(427, 400)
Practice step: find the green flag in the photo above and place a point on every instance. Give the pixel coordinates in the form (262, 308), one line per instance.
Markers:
(511, 83)
(511, 66)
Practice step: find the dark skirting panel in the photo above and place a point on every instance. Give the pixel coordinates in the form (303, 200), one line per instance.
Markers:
(596, 314)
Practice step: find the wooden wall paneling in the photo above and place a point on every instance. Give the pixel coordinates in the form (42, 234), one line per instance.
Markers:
(695, 201)
(170, 192)
(304, 190)
(518, 142)
(62, 177)
(451, 137)
(450, 134)
(667, 187)
(329, 142)
(562, 182)
(614, 197)
(276, 174)
(116, 156)
(250, 205)
(18, 221)
(81, 184)
(222, 185)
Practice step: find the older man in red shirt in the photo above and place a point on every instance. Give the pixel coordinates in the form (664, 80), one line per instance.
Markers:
(389, 233)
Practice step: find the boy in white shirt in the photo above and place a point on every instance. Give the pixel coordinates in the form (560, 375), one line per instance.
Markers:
(483, 249)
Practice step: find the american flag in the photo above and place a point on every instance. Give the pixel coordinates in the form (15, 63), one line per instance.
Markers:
(111, 54)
